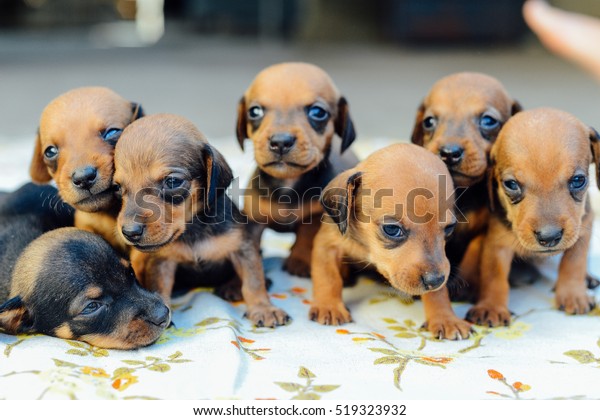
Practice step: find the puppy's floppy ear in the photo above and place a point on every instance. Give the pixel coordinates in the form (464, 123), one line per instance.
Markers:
(417, 136)
(14, 316)
(515, 107)
(241, 129)
(218, 173)
(595, 145)
(339, 197)
(344, 127)
(136, 111)
(37, 169)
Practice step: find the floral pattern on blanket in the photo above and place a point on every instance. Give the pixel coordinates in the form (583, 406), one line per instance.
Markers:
(214, 352)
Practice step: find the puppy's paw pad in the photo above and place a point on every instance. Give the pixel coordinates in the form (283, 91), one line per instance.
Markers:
(575, 303)
(297, 267)
(489, 315)
(330, 315)
(449, 328)
(267, 316)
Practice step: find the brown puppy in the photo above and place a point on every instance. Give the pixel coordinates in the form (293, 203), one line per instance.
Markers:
(75, 146)
(175, 211)
(388, 212)
(539, 179)
(291, 112)
(459, 120)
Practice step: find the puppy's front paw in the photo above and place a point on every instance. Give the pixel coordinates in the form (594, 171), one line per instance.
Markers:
(574, 301)
(330, 314)
(491, 315)
(296, 267)
(448, 327)
(267, 316)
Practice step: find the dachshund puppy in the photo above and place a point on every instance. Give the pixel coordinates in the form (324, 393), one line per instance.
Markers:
(75, 146)
(67, 282)
(291, 112)
(71, 284)
(392, 212)
(459, 120)
(175, 211)
(539, 180)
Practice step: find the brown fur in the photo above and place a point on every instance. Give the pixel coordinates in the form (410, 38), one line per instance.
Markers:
(285, 92)
(542, 150)
(74, 123)
(358, 202)
(181, 231)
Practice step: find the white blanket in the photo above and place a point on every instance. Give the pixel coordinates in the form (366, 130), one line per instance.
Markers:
(213, 352)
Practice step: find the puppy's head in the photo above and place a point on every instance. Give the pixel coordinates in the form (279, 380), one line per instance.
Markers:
(459, 120)
(395, 205)
(70, 284)
(290, 112)
(167, 173)
(540, 174)
(75, 145)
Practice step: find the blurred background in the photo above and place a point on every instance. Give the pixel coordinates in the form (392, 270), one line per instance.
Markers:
(196, 57)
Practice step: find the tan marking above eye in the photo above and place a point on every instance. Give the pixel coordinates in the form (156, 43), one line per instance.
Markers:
(93, 292)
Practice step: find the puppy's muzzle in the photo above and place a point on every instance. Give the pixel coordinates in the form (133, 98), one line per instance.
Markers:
(84, 178)
(282, 143)
(549, 236)
(452, 154)
(133, 232)
(432, 280)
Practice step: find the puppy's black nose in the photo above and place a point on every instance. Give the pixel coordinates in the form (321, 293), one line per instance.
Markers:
(159, 316)
(548, 236)
(84, 178)
(133, 232)
(452, 154)
(282, 142)
(432, 281)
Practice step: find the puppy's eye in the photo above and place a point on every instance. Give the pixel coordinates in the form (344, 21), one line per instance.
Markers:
(511, 185)
(171, 182)
(317, 113)
(117, 189)
(394, 231)
(91, 308)
(256, 112)
(577, 183)
(51, 152)
(111, 135)
(449, 230)
(430, 123)
(488, 123)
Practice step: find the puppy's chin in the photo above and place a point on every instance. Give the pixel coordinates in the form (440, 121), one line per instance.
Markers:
(286, 170)
(413, 288)
(151, 244)
(90, 201)
(138, 334)
(466, 178)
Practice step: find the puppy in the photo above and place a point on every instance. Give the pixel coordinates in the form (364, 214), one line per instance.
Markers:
(459, 120)
(175, 211)
(291, 112)
(391, 212)
(539, 180)
(75, 146)
(67, 282)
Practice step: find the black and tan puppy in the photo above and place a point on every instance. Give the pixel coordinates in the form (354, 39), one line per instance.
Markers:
(459, 120)
(75, 146)
(67, 282)
(390, 212)
(539, 180)
(291, 112)
(176, 212)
